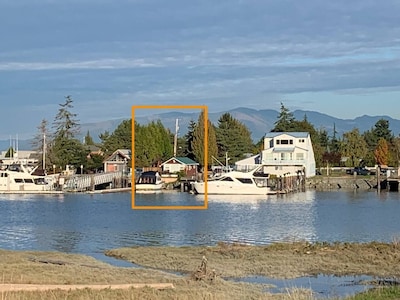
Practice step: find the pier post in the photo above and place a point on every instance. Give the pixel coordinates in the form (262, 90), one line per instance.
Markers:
(92, 182)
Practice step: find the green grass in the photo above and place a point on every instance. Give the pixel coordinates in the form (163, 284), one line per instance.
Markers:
(384, 293)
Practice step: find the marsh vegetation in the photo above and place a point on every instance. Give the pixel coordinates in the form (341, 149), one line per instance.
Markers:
(185, 268)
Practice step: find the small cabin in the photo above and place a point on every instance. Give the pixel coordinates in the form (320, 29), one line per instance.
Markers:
(180, 164)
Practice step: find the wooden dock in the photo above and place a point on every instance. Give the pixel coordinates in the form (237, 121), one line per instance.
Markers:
(390, 184)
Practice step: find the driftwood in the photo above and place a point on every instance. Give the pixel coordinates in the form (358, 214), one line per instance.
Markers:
(61, 263)
(201, 272)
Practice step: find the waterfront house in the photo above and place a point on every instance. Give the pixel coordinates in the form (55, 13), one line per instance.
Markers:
(288, 153)
(284, 153)
(180, 164)
(94, 150)
(117, 161)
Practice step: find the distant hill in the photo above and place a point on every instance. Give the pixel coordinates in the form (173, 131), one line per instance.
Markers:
(259, 123)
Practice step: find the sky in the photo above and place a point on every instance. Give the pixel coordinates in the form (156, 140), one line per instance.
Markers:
(337, 57)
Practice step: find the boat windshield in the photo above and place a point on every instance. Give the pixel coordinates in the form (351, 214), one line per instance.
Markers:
(227, 178)
(147, 179)
(40, 181)
(245, 180)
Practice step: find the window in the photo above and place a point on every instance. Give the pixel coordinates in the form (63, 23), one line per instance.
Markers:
(299, 156)
(226, 179)
(301, 140)
(28, 180)
(245, 180)
(18, 180)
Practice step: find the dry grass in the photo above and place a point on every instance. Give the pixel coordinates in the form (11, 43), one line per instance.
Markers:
(281, 260)
(30, 267)
(223, 260)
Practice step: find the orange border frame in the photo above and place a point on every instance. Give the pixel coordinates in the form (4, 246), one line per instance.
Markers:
(179, 207)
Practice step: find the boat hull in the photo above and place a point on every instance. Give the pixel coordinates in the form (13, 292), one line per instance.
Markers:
(221, 188)
(148, 187)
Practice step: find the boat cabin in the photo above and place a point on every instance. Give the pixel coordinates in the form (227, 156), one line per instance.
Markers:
(149, 177)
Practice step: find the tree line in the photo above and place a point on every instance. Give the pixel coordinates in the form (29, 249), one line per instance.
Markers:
(155, 143)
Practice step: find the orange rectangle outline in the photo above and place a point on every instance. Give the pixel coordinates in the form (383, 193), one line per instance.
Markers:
(204, 108)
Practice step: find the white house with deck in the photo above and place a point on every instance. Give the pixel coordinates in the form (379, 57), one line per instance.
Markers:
(288, 153)
(284, 153)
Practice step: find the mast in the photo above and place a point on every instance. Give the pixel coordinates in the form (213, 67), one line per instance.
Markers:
(226, 161)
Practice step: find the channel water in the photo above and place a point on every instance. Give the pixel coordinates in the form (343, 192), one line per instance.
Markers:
(92, 223)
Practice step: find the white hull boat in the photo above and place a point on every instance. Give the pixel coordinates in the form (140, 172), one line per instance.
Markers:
(19, 178)
(149, 181)
(236, 183)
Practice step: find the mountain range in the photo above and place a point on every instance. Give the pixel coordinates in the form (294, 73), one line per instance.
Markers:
(259, 122)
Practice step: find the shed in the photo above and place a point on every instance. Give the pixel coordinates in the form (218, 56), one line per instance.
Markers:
(179, 164)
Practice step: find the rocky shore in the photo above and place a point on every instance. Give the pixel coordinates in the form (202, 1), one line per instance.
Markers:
(344, 182)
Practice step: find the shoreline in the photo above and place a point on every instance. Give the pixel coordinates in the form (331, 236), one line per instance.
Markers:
(224, 262)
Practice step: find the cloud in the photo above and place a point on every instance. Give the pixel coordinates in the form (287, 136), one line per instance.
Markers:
(220, 53)
(93, 64)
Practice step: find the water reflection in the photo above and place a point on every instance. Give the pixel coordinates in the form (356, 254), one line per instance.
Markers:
(323, 286)
(93, 223)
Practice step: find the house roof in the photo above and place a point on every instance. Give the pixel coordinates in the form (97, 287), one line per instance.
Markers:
(125, 153)
(182, 160)
(293, 134)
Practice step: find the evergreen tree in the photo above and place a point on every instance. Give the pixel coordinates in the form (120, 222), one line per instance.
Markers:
(10, 152)
(285, 120)
(121, 138)
(189, 136)
(233, 138)
(153, 142)
(88, 139)
(334, 144)
(65, 123)
(371, 137)
(198, 141)
(66, 149)
(140, 157)
(381, 130)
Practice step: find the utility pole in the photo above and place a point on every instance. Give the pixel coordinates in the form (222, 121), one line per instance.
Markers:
(176, 137)
(44, 153)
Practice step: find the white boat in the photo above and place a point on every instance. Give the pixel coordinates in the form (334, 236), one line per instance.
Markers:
(20, 178)
(236, 183)
(149, 181)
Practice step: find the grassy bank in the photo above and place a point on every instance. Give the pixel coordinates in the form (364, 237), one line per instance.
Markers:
(280, 260)
(60, 268)
(223, 260)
